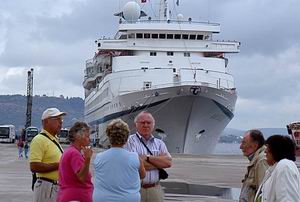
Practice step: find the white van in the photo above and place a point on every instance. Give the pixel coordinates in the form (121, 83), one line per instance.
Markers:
(30, 133)
(7, 133)
(63, 136)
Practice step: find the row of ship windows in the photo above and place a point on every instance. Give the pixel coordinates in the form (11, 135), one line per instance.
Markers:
(100, 98)
(169, 53)
(165, 36)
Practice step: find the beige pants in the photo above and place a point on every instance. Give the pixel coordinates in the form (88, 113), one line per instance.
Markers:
(44, 191)
(152, 194)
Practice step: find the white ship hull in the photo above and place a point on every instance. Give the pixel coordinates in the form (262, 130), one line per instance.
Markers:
(187, 122)
(171, 67)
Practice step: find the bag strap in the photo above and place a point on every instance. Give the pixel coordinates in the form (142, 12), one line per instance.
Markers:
(53, 142)
(144, 144)
(34, 177)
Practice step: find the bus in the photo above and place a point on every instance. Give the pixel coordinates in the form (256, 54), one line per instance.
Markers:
(294, 130)
(7, 133)
(63, 136)
(30, 133)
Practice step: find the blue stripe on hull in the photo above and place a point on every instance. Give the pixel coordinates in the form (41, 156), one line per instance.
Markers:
(126, 112)
(226, 111)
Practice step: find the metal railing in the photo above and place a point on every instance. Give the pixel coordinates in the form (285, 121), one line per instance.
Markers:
(169, 22)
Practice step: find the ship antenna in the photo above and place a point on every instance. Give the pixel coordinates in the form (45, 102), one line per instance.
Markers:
(164, 13)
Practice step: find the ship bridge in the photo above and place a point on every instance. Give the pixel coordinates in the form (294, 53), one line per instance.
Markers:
(166, 35)
(169, 25)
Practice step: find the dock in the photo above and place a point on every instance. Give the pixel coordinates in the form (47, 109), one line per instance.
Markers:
(209, 178)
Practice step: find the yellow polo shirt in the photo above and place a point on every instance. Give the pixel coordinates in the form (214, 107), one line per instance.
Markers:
(44, 150)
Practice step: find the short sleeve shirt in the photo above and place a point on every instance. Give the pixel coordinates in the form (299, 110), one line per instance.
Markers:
(71, 188)
(116, 176)
(156, 146)
(44, 150)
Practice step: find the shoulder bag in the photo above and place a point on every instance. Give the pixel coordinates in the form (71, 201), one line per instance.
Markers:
(162, 173)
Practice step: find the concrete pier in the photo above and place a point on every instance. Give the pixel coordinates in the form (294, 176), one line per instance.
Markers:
(210, 178)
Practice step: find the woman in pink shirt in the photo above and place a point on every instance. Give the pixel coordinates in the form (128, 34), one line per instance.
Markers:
(75, 182)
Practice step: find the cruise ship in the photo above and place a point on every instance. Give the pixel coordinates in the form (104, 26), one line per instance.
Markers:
(168, 65)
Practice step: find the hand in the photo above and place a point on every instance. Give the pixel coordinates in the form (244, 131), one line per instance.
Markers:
(143, 157)
(87, 152)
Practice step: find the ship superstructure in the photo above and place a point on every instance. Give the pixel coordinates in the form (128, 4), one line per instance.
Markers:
(170, 67)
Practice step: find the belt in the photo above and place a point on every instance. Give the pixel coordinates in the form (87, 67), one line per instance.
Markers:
(48, 180)
(146, 186)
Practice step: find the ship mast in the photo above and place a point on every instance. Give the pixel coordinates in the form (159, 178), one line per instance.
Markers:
(164, 10)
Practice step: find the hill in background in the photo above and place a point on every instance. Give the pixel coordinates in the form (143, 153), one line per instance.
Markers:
(231, 135)
(266, 131)
(13, 109)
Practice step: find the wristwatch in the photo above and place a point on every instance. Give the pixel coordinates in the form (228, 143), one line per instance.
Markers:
(148, 159)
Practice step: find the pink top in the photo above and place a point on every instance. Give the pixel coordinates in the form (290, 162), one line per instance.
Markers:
(70, 187)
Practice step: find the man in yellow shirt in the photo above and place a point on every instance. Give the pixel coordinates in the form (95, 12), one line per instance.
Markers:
(45, 153)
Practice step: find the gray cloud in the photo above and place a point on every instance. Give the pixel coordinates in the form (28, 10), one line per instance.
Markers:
(57, 37)
(263, 27)
(87, 20)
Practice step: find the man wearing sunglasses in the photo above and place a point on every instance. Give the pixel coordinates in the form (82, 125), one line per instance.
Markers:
(45, 153)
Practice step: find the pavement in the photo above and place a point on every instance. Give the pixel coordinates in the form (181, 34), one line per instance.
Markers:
(201, 178)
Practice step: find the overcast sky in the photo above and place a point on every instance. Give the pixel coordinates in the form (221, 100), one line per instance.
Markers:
(55, 37)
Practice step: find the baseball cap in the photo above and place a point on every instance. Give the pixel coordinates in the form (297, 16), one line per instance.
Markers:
(52, 112)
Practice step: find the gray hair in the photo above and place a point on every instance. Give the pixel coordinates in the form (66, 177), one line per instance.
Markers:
(141, 113)
(77, 127)
(257, 137)
(117, 132)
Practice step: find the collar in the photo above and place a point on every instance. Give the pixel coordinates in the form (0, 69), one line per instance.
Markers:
(269, 172)
(49, 135)
(251, 157)
(273, 167)
(141, 137)
(259, 152)
(73, 146)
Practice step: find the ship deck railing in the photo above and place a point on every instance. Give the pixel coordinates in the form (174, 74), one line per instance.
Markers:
(108, 40)
(170, 22)
(185, 83)
(219, 83)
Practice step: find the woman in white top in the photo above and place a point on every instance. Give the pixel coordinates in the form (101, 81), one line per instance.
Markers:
(282, 180)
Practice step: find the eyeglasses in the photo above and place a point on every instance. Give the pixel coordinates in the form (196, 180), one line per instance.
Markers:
(83, 130)
(60, 119)
(145, 122)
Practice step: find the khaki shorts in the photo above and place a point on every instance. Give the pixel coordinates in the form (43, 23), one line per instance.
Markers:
(152, 194)
(45, 191)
